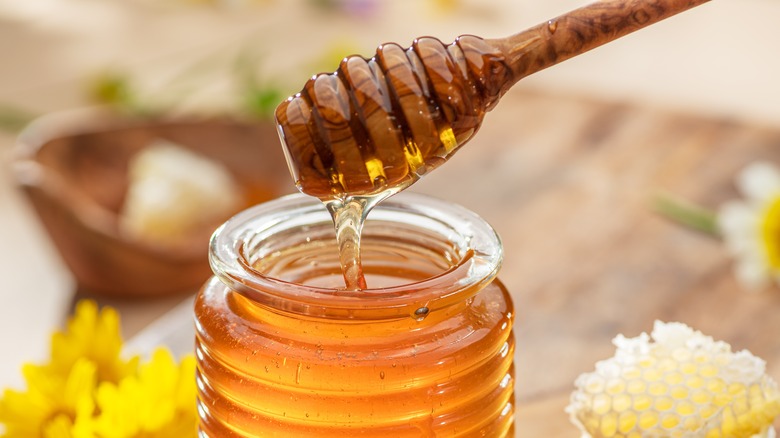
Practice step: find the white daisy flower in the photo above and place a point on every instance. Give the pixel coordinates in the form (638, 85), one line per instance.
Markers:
(675, 383)
(751, 227)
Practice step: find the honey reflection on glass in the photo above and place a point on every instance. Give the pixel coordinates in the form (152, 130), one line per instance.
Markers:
(427, 351)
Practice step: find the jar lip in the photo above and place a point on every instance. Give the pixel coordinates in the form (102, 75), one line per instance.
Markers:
(477, 268)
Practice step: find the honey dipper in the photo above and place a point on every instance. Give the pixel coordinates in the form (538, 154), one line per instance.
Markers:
(383, 122)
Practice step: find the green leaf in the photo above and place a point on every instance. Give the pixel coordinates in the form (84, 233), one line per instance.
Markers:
(687, 213)
(13, 119)
(261, 102)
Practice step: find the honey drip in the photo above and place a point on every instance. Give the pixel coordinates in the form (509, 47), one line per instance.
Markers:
(379, 124)
(349, 215)
(375, 126)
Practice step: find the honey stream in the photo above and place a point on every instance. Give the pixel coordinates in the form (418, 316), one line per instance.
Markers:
(377, 125)
(349, 215)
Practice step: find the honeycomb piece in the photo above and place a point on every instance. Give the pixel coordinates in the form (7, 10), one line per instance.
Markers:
(173, 191)
(680, 384)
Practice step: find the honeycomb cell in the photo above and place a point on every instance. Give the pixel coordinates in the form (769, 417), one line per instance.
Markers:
(647, 362)
(674, 378)
(670, 422)
(716, 386)
(685, 408)
(694, 382)
(689, 368)
(627, 422)
(658, 389)
(652, 375)
(602, 404)
(621, 402)
(692, 423)
(701, 397)
(708, 411)
(663, 404)
(642, 402)
(616, 386)
(702, 357)
(676, 383)
(648, 420)
(595, 384)
(608, 424)
(632, 373)
(636, 387)
(679, 392)
(709, 370)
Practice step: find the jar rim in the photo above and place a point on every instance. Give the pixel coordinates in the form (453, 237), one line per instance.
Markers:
(482, 257)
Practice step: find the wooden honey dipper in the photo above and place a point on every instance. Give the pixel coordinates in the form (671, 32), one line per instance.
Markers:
(383, 122)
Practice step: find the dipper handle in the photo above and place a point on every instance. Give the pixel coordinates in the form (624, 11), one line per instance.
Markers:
(379, 124)
(581, 30)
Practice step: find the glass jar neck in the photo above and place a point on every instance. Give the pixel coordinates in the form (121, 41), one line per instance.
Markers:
(420, 253)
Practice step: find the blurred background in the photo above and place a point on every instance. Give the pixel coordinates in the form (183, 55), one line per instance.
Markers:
(236, 59)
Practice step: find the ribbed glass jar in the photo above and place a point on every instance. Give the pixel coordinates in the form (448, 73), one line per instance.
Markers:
(426, 351)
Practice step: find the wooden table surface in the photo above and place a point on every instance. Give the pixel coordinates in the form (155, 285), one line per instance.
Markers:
(568, 184)
(566, 181)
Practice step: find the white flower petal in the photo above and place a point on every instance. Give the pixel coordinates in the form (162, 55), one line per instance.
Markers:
(744, 246)
(752, 275)
(737, 218)
(759, 181)
(740, 249)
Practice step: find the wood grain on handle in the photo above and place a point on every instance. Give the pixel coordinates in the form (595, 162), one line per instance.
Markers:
(581, 30)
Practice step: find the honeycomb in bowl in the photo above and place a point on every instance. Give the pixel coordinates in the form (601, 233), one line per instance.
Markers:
(173, 191)
(675, 383)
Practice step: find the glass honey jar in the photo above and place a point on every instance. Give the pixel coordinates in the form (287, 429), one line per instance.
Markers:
(284, 350)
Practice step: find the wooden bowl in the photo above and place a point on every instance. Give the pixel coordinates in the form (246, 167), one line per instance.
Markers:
(74, 168)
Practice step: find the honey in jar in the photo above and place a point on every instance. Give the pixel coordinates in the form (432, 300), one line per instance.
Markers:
(285, 350)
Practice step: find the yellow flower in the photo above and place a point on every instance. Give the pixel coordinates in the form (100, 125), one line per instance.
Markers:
(52, 406)
(87, 391)
(158, 402)
(681, 384)
(93, 335)
(751, 227)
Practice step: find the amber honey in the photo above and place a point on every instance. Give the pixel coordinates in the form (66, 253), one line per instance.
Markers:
(386, 121)
(418, 342)
(285, 350)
